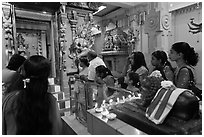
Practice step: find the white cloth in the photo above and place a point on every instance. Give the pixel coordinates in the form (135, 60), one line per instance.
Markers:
(92, 65)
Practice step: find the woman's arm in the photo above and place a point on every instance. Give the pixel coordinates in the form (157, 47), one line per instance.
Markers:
(183, 78)
(142, 72)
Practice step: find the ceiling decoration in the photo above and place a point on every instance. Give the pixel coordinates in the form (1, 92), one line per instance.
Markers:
(51, 7)
(38, 6)
(54, 6)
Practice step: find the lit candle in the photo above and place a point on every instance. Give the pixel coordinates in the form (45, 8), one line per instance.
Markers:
(110, 101)
(96, 105)
(123, 98)
(118, 100)
(103, 102)
(139, 95)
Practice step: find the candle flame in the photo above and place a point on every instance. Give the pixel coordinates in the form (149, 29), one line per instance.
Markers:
(96, 105)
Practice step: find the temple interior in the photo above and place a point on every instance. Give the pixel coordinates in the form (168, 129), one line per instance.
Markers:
(63, 32)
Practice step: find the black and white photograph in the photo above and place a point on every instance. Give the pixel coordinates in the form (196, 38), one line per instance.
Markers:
(101, 67)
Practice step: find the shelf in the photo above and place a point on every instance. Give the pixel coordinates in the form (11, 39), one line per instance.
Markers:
(114, 53)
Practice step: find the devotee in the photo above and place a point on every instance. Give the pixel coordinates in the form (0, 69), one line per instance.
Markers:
(135, 63)
(32, 110)
(138, 64)
(94, 61)
(133, 82)
(9, 73)
(80, 110)
(186, 58)
(160, 62)
(104, 76)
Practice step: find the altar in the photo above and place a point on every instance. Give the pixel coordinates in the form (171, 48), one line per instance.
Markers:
(131, 119)
(135, 116)
(99, 125)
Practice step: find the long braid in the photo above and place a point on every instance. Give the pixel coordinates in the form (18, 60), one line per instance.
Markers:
(32, 115)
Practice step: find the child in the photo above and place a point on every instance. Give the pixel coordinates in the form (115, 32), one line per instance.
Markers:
(133, 82)
(104, 76)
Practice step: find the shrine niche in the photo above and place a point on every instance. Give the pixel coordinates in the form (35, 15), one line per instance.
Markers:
(22, 47)
(116, 40)
(118, 45)
(119, 40)
(115, 50)
(29, 43)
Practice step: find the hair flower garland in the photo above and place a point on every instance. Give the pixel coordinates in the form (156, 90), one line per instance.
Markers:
(156, 73)
(27, 80)
(168, 85)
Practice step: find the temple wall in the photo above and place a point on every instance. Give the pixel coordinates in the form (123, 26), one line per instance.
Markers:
(172, 28)
(180, 32)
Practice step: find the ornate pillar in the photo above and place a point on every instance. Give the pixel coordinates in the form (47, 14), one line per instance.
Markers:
(52, 48)
(8, 48)
(72, 16)
(62, 44)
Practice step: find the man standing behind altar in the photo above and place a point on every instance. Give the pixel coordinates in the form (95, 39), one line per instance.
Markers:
(94, 61)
